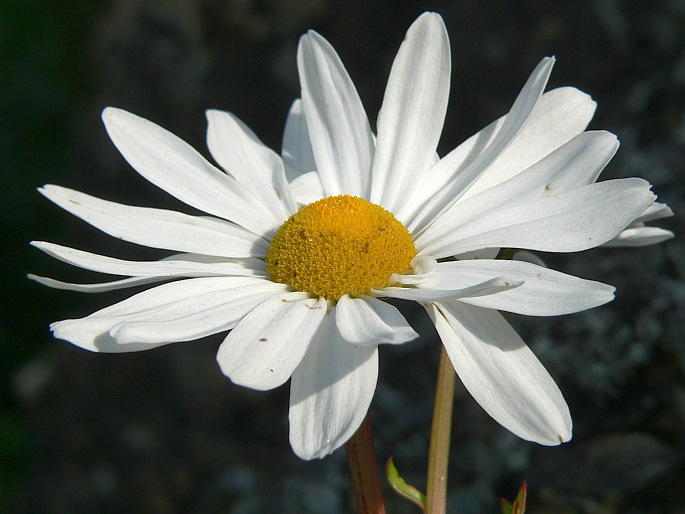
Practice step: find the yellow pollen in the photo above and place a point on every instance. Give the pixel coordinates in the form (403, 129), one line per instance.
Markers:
(339, 245)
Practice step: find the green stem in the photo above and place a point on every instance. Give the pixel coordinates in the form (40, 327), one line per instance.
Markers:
(361, 457)
(439, 451)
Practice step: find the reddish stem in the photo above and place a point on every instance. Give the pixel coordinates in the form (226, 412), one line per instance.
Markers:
(361, 457)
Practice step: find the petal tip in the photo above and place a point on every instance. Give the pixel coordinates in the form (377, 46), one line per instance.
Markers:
(546, 63)
(429, 15)
(429, 20)
(110, 114)
(310, 37)
(565, 436)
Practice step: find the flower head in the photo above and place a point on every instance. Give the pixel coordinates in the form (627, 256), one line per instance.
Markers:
(300, 251)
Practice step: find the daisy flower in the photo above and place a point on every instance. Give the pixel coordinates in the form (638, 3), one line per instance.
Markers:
(299, 252)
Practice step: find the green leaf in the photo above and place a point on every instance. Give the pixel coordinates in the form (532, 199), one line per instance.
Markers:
(519, 504)
(402, 488)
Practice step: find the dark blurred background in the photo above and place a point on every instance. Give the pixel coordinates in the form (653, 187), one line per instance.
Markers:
(164, 431)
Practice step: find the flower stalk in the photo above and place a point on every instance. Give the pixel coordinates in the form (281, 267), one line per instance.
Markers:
(361, 457)
(439, 450)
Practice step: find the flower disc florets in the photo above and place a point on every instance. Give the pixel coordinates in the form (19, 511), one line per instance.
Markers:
(339, 245)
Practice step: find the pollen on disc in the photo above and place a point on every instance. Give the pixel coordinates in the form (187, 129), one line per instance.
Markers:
(339, 245)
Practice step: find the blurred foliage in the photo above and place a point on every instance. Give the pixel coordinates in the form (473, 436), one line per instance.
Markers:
(44, 74)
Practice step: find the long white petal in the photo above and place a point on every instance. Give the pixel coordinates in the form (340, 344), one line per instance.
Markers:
(640, 236)
(367, 320)
(449, 177)
(655, 211)
(173, 292)
(330, 392)
(571, 221)
(264, 349)
(173, 165)
(443, 186)
(181, 266)
(502, 373)
(577, 163)
(195, 307)
(202, 316)
(542, 291)
(339, 129)
(425, 294)
(637, 234)
(297, 147)
(99, 287)
(93, 335)
(239, 151)
(158, 228)
(560, 115)
(412, 115)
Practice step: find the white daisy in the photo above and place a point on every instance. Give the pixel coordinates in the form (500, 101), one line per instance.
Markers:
(298, 252)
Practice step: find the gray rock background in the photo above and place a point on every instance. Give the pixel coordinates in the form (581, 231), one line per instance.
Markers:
(164, 431)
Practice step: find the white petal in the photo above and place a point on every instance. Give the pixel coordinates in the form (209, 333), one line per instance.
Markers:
(177, 311)
(174, 292)
(158, 228)
(502, 373)
(423, 266)
(637, 234)
(653, 212)
(411, 118)
(574, 164)
(543, 292)
(100, 287)
(450, 178)
(577, 163)
(307, 188)
(330, 392)
(181, 266)
(205, 315)
(93, 335)
(560, 115)
(173, 165)
(368, 320)
(640, 236)
(424, 294)
(297, 148)
(340, 134)
(571, 221)
(239, 151)
(264, 349)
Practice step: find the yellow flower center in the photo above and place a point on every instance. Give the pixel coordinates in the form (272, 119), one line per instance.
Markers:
(339, 245)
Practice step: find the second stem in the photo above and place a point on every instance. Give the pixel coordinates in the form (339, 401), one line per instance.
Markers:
(441, 429)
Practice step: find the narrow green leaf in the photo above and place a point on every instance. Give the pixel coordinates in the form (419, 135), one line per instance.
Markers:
(402, 488)
(519, 505)
(521, 499)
